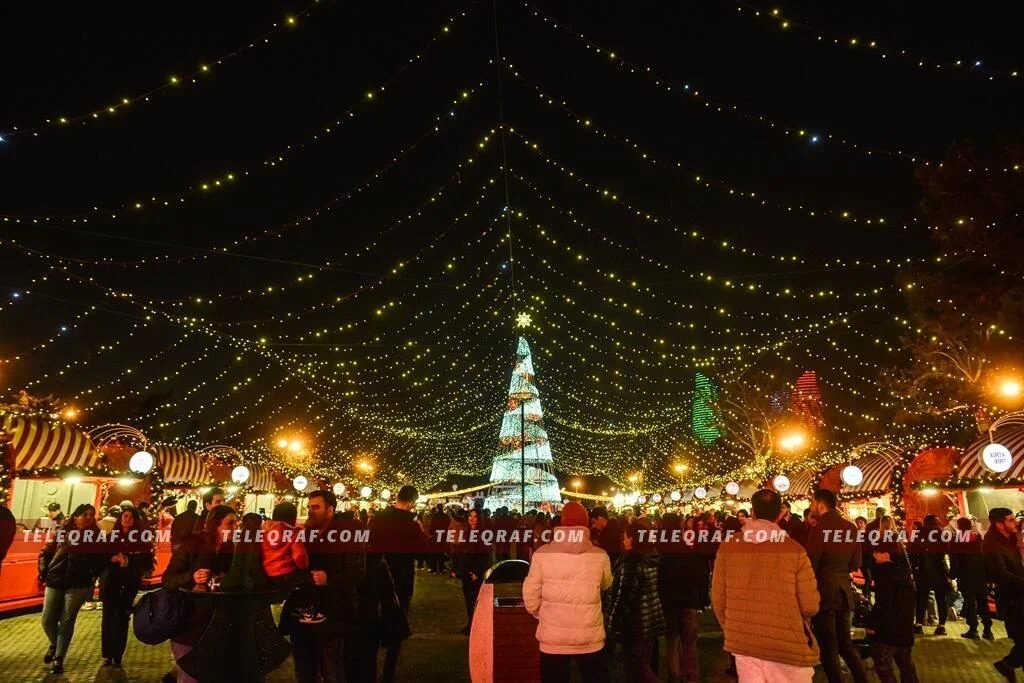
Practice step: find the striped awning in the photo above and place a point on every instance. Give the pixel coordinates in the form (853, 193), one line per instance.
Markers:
(800, 484)
(260, 479)
(38, 444)
(970, 466)
(877, 469)
(180, 465)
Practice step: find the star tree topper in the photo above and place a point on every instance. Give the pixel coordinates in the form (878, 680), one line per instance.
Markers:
(523, 320)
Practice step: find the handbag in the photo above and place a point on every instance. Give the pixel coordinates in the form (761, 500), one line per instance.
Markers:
(159, 616)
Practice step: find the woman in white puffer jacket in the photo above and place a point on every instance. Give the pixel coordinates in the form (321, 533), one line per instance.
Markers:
(563, 590)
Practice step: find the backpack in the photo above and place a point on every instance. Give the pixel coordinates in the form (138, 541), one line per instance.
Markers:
(159, 616)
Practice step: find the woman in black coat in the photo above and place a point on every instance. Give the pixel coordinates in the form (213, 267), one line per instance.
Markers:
(201, 557)
(68, 565)
(928, 560)
(471, 561)
(892, 617)
(131, 557)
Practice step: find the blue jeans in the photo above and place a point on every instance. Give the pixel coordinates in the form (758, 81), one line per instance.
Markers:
(60, 610)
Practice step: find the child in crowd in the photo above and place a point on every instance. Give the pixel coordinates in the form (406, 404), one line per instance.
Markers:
(287, 564)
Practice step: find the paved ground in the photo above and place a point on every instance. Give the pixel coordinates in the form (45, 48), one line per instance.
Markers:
(437, 652)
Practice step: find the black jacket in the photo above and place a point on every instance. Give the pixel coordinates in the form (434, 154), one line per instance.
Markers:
(398, 536)
(197, 551)
(471, 557)
(928, 559)
(140, 561)
(795, 529)
(345, 566)
(1005, 569)
(682, 577)
(892, 617)
(68, 565)
(634, 607)
(834, 559)
(183, 525)
(967, 566)
(380, 614)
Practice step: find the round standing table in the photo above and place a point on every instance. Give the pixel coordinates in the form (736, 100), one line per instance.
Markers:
(242, 641)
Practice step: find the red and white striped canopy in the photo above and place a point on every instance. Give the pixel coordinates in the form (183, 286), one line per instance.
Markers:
(180, 465)
(800, 484)
(877, 469)
(1012, 437)
(38, 444)
(260, 479)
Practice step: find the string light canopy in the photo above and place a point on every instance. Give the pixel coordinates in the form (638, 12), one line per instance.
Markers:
(357, 337)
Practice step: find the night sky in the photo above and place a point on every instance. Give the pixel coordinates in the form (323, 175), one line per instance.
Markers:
(407, 365)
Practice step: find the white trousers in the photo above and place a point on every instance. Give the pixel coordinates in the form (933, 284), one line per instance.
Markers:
(753, 670)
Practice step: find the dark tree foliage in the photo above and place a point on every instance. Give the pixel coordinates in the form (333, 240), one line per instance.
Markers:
(966, 323)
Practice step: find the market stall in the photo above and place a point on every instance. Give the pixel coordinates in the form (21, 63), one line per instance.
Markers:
(920, 496)
(989, 472)
(868, 481)
(49, 463)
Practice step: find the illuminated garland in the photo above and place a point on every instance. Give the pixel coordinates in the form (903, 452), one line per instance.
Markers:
(175, 81)
(868, 46)
(695, 94)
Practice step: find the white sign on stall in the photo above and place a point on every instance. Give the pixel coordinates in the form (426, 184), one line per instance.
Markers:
(996, 457)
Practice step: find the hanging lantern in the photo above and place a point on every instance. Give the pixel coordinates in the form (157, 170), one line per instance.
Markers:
(240, 474)
(142, 462)
(300, 483)
(700, 493)
(852, 475)
(365, 492)
(656, 497)
(385, 494)
(781, 483)
(732, 488)
(675, 496)
(339, 489)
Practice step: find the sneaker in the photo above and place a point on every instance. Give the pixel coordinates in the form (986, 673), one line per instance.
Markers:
(89, 606)
(987, 635)
(918, 629)
(972, 634)
(312, 616)
(48, 657)
(58, 665)
(940, 630)
(1006, 670)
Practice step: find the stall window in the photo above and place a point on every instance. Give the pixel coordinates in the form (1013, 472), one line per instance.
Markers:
(31, 497)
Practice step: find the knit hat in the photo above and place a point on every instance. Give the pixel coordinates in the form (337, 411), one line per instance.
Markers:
(574, 514)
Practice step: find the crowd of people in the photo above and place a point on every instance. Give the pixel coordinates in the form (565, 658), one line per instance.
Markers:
(780, 584)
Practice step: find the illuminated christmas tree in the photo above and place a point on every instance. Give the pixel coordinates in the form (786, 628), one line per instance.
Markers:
(707, 422)
(523, 415)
